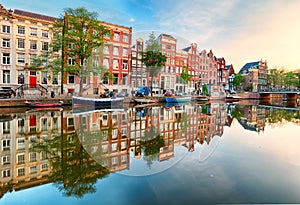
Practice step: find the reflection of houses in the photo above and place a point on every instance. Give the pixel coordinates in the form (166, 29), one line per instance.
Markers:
(21, 166)
(113, 146)
(254, 118)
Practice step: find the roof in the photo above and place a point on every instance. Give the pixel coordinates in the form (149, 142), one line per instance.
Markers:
(34, 15)
(249, 66)
(187, 49)
(228, 67)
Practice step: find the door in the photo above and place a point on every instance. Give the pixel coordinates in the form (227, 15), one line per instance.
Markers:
(32, 79)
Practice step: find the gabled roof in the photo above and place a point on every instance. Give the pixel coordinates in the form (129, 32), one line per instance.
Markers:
(227, 67)
(249, 66)
(187, 49)
(34, 15)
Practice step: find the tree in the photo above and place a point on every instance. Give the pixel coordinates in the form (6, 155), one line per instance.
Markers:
(83, 35)
(79, 37)
(238, 80)
(290, 79)
(185, 76)
(153, 58)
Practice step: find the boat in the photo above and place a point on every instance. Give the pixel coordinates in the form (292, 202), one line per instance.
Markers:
(201, 98)
(178, 99)
(233, 98)
(146, 100)
(44, 104)
(97, 102)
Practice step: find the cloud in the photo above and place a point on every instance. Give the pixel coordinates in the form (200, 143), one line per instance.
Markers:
(131, 19)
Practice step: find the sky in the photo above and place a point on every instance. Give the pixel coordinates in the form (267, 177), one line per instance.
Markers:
(240, 31)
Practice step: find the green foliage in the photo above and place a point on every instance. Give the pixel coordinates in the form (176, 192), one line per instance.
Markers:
(153, 58)
(205, 90)
(185, 76)
(238, 80)
(152, 44)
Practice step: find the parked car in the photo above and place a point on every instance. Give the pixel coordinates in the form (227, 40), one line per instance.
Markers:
(168, 93)
(7, 92)
(142, 91)
(123, 94)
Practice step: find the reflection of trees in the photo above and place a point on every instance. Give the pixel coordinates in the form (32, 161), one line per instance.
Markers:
(237, 113)
(73, 171)
(278, 115)
(151, 142)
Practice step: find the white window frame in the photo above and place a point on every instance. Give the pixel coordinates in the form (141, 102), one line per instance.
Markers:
(6, 76)
(33, 45)
(21, 59)
(45, 34)
(33, 31)
(6, 58)
(21, 43)
(5, 43)
(21, 30)
(6, 29)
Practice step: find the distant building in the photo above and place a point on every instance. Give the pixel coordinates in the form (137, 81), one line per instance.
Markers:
(231, 74)
(256, 75)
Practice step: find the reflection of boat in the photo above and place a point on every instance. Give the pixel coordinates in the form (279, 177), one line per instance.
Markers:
(44, 104)
(170, 104)
(146, 100)
(97, 102)
(201, 98)
(178, 99)
(232, 98)
(39, 109)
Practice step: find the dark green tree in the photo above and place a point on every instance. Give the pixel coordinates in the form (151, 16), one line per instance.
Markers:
(238, 80)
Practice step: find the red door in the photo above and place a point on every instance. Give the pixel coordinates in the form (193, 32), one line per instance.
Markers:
(32, 81)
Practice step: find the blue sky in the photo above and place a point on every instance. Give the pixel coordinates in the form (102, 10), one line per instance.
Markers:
(239, 30)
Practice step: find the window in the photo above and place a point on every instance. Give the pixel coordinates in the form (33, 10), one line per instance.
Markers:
(71, 46)
(21, 158)
(21, 143)
(33, 45)
(32, 58)
(21, 30)
(33, 31)
(125, 66)
(6, 59)
(21, 43)
(5, 145)
(71, 79)
(107, 36)
(115, 64)
(55, 79)
(125, 52)
(21, 172)
(45, 46)
(70, 122)
(21, 59)
(116, 36)
(106, 62)
(33, 23)
(6, 173)
(126, 38)
(32, 156)
(71, 61)
(116, 51)
(6, 76)
(5, 160)
(44, 77)
(6, 43)
(45, 34)
(115, 79)
(33, 169)
(6, 18)
(45, 167)
(5, 29)
(106, 49)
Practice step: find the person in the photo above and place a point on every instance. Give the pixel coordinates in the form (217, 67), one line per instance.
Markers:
(298, 101)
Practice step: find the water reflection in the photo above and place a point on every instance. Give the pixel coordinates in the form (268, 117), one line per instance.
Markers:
(74, 150)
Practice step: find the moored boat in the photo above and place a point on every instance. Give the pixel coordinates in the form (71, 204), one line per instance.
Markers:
(44, 104)
(233, 98)
(96, 102)
(146, 100)
(178, 99)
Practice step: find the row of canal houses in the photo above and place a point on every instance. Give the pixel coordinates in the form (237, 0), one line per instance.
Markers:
(25, 35)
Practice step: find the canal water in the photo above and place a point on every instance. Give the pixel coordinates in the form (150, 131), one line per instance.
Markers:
(215, 153)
